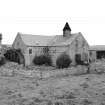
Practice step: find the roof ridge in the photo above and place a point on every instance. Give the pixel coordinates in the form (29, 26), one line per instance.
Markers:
(35, 35)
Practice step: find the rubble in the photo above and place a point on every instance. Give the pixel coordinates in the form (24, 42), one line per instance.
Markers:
(11, 69)
(80, 69)
(97, 67)
(82, 89)
(6, 72)
(12, 65)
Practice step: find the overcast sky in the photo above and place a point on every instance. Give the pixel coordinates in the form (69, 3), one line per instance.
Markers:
(48, 17)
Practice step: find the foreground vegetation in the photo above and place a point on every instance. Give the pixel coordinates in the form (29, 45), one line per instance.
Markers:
(41, 85)
(46, 85)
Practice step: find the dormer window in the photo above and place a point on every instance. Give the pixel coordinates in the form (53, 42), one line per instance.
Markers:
(30, 51)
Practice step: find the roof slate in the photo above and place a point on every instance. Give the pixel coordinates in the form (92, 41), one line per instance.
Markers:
(35, 40)
(59, 40)
(40, 40)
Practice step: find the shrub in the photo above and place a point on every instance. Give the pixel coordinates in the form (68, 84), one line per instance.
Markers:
(9, 54)
(63, 61)
(14, 55)
(42, 59)
(2, 61)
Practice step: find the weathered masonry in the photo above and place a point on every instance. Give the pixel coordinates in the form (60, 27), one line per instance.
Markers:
(70, 43)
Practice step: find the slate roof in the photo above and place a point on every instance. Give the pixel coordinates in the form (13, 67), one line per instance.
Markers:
(59, 40)
(41, 40)
(35, 40)
(97, 48)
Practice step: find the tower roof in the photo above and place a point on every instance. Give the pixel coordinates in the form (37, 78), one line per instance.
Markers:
(66, 27)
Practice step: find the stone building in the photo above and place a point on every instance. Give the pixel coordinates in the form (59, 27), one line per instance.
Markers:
(70, 43)
(30, 45)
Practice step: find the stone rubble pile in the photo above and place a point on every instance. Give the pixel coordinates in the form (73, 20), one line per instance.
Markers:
(97, 67)
(12, 66)
(78, 70)
(12, 69)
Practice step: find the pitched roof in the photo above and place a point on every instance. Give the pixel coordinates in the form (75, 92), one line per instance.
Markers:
(97, 48)
(35, 40)
(40, 40)
(59, 40)
(66, 27)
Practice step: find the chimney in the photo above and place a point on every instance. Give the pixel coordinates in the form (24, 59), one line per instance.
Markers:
(66, 30)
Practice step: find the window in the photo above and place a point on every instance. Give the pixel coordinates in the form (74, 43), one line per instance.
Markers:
(45, 50)
(30, 51)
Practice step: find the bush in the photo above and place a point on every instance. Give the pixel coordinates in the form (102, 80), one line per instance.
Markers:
(42, 59)
(2, 61)
(14, 55)
(63, 61)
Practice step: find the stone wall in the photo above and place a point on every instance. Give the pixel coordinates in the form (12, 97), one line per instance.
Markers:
(55, 52)
(78, 46)
(36, 51)
(18, 44)
(92, 56)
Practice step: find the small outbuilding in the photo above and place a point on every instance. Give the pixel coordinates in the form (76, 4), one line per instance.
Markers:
(97, 52)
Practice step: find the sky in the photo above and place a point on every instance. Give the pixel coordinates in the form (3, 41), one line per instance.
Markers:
(48, 17)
